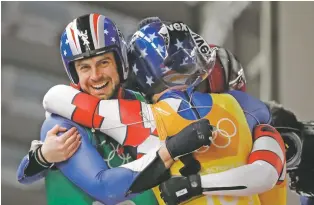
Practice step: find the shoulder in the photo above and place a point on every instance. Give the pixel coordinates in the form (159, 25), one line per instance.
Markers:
(252, 106)
(54, 119)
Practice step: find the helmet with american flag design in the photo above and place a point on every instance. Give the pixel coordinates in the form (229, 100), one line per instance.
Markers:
(164, 55)
(91, 35)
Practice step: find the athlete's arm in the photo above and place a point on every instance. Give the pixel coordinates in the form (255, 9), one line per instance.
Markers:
(42, 155)
(265, 168)
(129, 122)
(27, 175)
(266, 163)
(88, 170)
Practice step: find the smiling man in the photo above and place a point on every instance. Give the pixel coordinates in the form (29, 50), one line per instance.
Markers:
(98, 75)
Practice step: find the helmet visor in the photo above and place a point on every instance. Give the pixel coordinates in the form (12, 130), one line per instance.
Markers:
(187, 67)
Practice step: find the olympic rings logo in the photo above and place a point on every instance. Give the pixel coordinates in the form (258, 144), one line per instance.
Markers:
(125, 157)
(223, 133)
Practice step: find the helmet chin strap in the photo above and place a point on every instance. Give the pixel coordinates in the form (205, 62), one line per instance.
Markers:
(76, 86)
(196, 82)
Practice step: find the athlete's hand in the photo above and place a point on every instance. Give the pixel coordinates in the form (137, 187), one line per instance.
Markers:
(188, 140)
(58, 149)
(191, 138)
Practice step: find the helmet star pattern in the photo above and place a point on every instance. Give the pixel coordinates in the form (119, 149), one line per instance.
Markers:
(91, 35)
(179, 44)
(135, 70)
(160, 56)
(149, 80)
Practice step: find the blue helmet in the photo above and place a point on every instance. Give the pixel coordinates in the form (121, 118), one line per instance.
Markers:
(91, 35)
(165, 55)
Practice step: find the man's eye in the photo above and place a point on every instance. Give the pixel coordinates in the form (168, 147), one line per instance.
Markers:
(84, 68)
(104, 62)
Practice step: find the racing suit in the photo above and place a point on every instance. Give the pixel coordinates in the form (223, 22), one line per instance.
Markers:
(62, 190)
(263, 171)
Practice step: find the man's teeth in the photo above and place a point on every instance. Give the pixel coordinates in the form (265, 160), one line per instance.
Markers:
(100, 86)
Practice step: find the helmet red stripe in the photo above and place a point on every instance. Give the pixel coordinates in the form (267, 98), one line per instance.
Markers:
(73, 36)
(95, 20)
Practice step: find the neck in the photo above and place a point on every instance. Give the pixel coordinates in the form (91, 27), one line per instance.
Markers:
(118, 93)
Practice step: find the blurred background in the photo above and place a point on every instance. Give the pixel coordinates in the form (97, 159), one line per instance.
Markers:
(273, 40)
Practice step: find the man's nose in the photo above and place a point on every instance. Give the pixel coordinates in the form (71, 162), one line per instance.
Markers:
(95, 75)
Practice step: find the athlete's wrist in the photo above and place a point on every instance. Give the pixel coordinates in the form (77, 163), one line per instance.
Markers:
(42, 156)
(165, 157)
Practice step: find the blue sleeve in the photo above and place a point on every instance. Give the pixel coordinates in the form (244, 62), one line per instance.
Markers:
(87, 170)
(256, 112)
(23, 178)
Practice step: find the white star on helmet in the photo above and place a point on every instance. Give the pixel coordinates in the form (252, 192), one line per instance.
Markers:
(149, 80)
(135, 70)
(160, 48)
(143, 53)
(152, 36)
(179, 44)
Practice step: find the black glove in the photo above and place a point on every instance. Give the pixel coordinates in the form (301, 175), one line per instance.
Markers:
(191, 138)
(188, 140)
(179, 189)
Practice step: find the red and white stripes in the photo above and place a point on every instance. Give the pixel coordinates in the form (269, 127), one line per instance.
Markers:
(129, 122)
(269, 147)
(73, 38)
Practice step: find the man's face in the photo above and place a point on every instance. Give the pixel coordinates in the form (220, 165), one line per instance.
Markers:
(98, 76)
